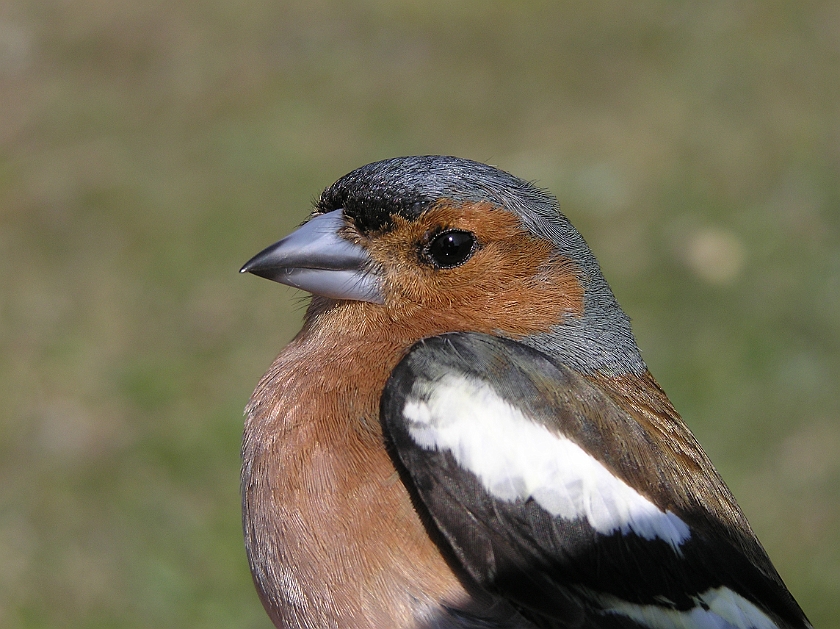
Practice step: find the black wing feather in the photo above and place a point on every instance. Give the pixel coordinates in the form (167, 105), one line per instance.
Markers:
(553, 567)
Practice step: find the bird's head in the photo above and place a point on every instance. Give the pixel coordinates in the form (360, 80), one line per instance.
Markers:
(439, 244)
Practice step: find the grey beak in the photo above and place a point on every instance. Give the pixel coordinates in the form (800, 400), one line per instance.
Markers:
(315, 258)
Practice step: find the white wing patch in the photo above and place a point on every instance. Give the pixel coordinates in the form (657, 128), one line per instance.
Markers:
(516, 458)
(719, 608)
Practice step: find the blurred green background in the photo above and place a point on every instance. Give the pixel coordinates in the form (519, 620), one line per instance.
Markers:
(147, 149)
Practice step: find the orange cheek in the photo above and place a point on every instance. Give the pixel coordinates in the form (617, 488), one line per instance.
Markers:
(495, 300)
(513, 283)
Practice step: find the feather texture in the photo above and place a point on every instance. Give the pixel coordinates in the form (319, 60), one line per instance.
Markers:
(498, 439)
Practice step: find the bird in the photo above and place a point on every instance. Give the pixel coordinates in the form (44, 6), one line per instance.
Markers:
(464, 434)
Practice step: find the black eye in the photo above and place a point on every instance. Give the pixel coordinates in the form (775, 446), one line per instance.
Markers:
(450, 248)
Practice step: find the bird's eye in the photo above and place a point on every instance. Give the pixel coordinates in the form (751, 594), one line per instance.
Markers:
(450, 248)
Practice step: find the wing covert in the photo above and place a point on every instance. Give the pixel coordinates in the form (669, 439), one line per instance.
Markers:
(521, 465)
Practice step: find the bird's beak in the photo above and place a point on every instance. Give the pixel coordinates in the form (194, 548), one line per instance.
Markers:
(317, 259)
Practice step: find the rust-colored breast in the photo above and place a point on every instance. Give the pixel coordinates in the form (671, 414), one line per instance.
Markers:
(331, 532)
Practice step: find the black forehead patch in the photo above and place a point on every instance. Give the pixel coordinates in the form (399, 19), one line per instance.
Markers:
(373, 194)
(406, 186)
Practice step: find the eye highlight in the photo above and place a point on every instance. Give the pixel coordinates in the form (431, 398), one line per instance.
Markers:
(450, 248)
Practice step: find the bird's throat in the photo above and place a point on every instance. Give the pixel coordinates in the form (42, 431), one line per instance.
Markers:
(330, 528)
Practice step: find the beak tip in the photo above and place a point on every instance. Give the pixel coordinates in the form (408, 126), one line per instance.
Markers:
(253, 265)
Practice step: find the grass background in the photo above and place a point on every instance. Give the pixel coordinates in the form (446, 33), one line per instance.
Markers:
(147, 149)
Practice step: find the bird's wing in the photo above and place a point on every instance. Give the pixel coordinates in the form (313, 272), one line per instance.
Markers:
(501, 445)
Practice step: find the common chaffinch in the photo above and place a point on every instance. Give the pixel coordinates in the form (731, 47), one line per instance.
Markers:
(464, 433)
